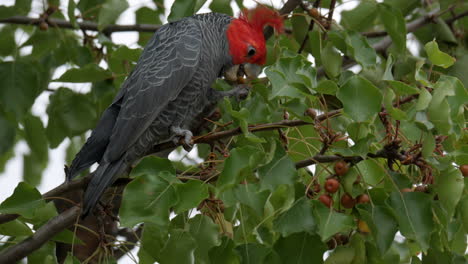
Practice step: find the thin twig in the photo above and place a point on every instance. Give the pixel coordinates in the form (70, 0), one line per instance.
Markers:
(311, 27)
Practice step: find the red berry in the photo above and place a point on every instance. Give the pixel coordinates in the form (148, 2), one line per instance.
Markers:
(326, 200)
(347, 201)
(43, 26)
(464, 170)
(363, 198)
(332, 185)
(341, 168)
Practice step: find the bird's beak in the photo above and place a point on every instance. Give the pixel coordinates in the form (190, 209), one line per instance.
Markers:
(237, 72)
(232, 73)
(252, 71)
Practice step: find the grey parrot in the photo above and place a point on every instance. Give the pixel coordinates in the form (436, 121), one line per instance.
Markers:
(169, 87)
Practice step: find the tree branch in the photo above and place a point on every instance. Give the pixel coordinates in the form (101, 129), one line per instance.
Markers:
(54, 226)
(84, 25)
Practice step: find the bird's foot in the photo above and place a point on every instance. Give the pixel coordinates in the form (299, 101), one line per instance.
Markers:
(240, 91)
(183, 135)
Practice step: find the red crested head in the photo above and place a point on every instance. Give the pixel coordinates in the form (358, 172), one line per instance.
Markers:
(245, 34)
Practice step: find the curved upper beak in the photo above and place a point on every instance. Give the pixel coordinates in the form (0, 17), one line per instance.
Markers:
(251, 72)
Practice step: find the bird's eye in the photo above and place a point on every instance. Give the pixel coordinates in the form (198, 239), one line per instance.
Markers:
(250, 51)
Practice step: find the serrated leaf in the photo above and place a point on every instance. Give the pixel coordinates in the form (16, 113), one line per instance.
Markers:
(299, 218)
(25, 200)
(148, 198)
(251, 196)
(414, 215)
(371, 171)
(191, 194)
(237, 166)
(206, 235)
(180, 248)
(331, 222)
(360, 98)
(438, 57)
(281, 170)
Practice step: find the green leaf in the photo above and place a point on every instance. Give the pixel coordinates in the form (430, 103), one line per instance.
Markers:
(237, 166)
(371, 171)
(402, 88)
(341, 255)
(428, 145)
(382, 224)
(225, 253)
(180, 248)
(7, 135)
(221, 6)
(360, 18)
(299, 218)
(33, 166)
(70, 114)
(291, 76)
(68, 237)
(152, 241)
(148, 198)
(438, 57)
(206, 235)
(110, 11)
(281, 170)
(327, 87)
(414, 215)
(35, 136)
(181, 8)
(331, 222)
(88, 73)
(300, 248)
(360, 98)
(249, 195)
(44, 255)
(423, 100)
(71, 13)
(449, 187)
(71, 259)
(146, 15)
(15, 228)
(25, 201)
(394, 23)
(331, 60)
(21, 83)
(152, 165)
(191, 194)
(7, 42)
(252, 253)
(360, 49)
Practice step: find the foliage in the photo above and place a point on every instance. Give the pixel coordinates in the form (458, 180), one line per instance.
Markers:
(401, 131)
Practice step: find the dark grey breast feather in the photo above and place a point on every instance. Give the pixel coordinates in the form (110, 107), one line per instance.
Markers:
(164, 69)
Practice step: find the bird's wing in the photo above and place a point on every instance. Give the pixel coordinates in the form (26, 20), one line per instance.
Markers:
(164, 69)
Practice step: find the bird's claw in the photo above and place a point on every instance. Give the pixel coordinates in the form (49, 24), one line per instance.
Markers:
(240, 91)
(183, 136)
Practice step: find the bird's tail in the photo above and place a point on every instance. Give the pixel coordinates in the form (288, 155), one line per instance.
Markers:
(103, 177)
